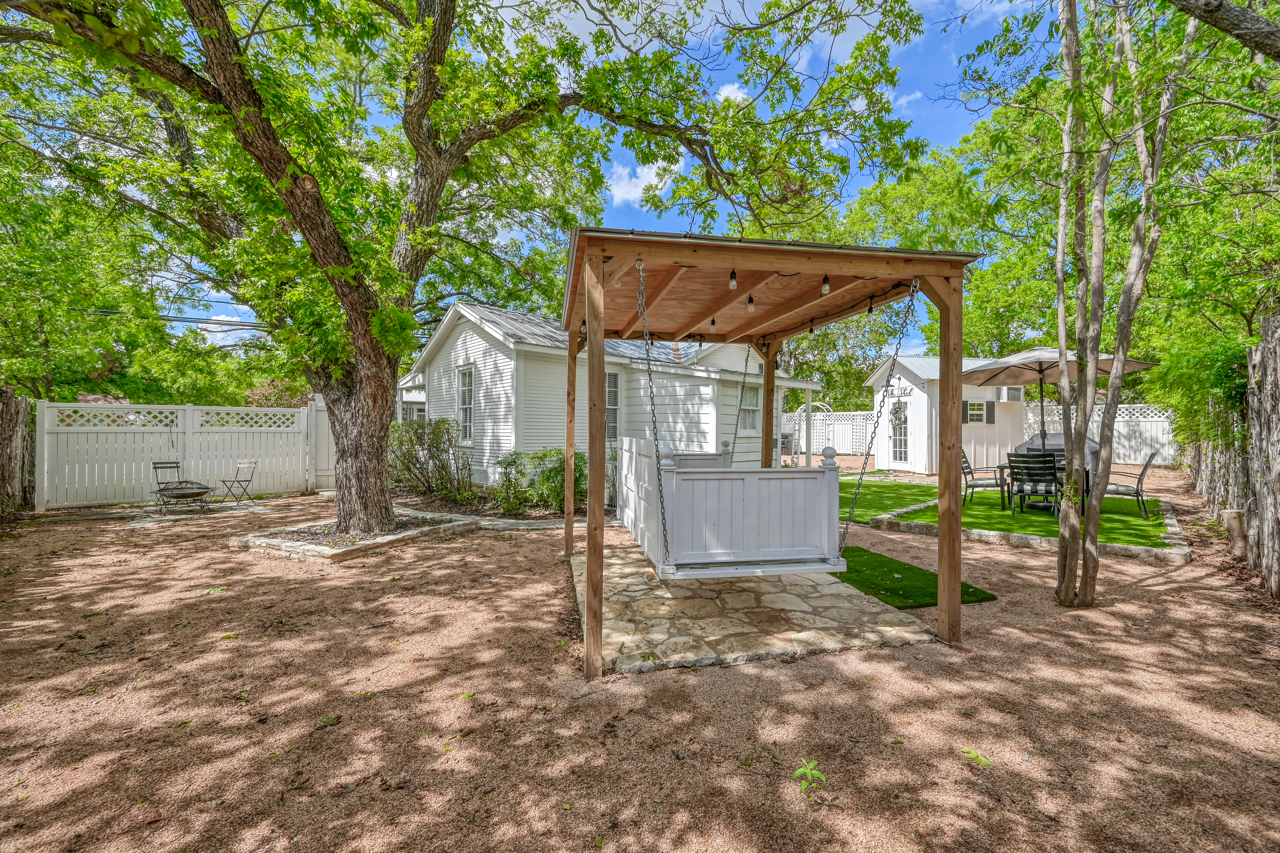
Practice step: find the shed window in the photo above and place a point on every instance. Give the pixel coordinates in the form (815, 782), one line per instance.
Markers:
(749, 417)
(976, 411)
(466, 404)
(611, 407)
(1013, 394)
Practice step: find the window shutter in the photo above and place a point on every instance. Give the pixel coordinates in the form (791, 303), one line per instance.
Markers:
(991, 411)
(964, 412)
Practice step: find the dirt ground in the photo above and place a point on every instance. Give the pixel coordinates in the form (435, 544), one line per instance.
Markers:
(162, 693)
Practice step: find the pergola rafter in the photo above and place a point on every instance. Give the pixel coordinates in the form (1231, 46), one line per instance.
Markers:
(689, 298)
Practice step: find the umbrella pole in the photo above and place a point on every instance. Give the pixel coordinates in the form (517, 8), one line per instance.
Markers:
(1042, 430)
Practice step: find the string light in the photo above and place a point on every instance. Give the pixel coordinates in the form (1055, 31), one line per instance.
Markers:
(713, 325)
(826, 285)
(583, 330)
(871, 304)
(811, 327)
(751, 304)
(733, 279)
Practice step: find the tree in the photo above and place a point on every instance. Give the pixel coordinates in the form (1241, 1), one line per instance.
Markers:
(255, 137)
(1240, 22)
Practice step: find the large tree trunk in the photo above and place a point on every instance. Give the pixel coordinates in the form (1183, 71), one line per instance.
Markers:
(17, 453)
(1263, 512)
(360, 414)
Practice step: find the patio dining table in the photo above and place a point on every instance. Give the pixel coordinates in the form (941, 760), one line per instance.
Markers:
(1054, 443)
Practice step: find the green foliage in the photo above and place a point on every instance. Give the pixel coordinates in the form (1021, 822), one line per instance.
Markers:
(810, 778)
(427, 458)
(510, 490)
(546, 486)
(1203, 383)
(977, 758)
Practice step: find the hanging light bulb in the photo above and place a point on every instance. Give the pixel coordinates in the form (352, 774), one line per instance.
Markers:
(871, 304)
(811, 327)
(583, 329)
(713, 325)
(733, 279)
(751, 304)
(826, 285)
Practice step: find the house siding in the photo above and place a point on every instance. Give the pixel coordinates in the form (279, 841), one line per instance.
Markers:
(494, 406)
(729, 357)
(542, 390)
(685, 407)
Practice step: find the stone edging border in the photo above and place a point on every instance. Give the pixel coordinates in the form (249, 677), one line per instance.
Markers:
(264, 543)
(1177, 554)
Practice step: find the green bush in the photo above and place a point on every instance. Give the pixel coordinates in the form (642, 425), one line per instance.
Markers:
(427, 458)
(510, 491)
(546, 486)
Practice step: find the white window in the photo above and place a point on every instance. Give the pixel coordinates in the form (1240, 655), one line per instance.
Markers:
(749, 415)
(975, 412)
(611, 407)
(466, 404)
(1013, 394)
(898, 422)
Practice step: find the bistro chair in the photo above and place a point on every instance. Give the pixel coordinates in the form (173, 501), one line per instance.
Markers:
(1034, 475)
(237, 488)
(1134, 489)
(172, 490)
(972, 482)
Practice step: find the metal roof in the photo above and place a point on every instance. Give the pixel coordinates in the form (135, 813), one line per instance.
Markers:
(523, 327)
(924, 366)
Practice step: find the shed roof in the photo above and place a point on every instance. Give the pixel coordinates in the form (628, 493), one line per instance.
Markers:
(924, 366)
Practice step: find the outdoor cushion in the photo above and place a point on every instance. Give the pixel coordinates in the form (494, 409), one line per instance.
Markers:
(1024, 488)
(1122, 489)
(983, 484)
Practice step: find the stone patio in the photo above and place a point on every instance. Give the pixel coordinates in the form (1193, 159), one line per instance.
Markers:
(649, 624)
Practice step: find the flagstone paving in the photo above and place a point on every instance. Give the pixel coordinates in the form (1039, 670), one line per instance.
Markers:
(651, 624)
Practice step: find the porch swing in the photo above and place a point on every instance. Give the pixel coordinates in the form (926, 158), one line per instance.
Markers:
(696, 516)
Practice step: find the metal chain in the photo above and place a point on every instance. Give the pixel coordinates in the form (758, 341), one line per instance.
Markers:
(884, 396)
(733, 450)
(653, 411)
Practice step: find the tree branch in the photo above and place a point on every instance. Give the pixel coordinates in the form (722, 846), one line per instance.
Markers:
(1244, 25)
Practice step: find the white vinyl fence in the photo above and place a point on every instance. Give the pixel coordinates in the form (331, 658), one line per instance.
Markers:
(847, 432)
(91, 454)
(1140, 429)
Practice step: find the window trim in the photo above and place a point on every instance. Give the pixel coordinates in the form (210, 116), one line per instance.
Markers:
(616, 408)
(970, 411)
(467, 427)
(743, 408)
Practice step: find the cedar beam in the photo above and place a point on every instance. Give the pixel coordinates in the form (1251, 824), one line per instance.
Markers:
(570, 418)
(795, 306)
(893, 294)
(768, 352)
(731, 297)
(783, 260)
(593, 606)
(652, 298)
(948, 295)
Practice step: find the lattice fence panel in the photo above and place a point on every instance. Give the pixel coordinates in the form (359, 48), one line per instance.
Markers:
(248, 419)
(115, 417)
(1140, 430)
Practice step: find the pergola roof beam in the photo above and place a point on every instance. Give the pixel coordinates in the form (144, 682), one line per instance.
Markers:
(744, 290)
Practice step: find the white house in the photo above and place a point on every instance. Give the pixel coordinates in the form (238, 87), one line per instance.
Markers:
(907, 436)
(502, 376)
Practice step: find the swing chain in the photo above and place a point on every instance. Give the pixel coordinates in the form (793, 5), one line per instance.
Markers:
(653, 410)
(884, 396)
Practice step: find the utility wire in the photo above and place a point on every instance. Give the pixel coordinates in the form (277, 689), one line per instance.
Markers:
(197, 321)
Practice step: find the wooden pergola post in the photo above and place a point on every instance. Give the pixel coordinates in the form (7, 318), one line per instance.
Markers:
(948, 295)
(768, 352)
(593, 607)
(576, 343)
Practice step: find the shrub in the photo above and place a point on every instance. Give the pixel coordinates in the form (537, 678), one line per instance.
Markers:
(427, 458)
(546, 488)
(510, 491)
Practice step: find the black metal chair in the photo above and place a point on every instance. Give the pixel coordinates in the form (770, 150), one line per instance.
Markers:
(172, 490)
(972, 482)
(1033, 475)
(237, 488)
(1133, 490)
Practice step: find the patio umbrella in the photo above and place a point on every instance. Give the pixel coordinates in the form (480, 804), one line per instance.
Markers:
(1039, 364)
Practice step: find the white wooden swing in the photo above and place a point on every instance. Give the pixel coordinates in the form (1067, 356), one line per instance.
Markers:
(696, 516)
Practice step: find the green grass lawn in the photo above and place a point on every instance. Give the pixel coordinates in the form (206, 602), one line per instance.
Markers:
(879, 498)
(1121, 523)
(898, 584)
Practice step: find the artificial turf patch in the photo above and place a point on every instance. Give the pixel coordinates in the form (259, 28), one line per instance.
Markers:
(1121, 522)
(879, 498)
(896, 583)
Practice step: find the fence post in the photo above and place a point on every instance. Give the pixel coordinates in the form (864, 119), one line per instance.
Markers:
(313, 422)
(188, 438)
(42, 456)
(304, 444)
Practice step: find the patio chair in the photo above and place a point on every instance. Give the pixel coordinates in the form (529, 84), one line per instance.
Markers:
(972, 482)
(237, 488)
(1134, 489)
(1034, 475)
(172, 490)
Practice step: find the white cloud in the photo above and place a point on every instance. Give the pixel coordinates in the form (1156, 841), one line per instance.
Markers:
(899, 103)
(732, 90)
(627, 185)
(220, 335)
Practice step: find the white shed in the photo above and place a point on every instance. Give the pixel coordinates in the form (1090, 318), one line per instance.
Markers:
(907, 436)
(501, 375)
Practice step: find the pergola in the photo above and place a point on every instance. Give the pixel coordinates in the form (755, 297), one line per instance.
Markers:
(782, 289)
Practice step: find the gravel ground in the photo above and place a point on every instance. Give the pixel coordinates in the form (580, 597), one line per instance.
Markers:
(161, 693)
(324, 534)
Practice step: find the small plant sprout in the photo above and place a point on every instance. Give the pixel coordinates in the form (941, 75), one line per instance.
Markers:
(810, 778)
(976, 757)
